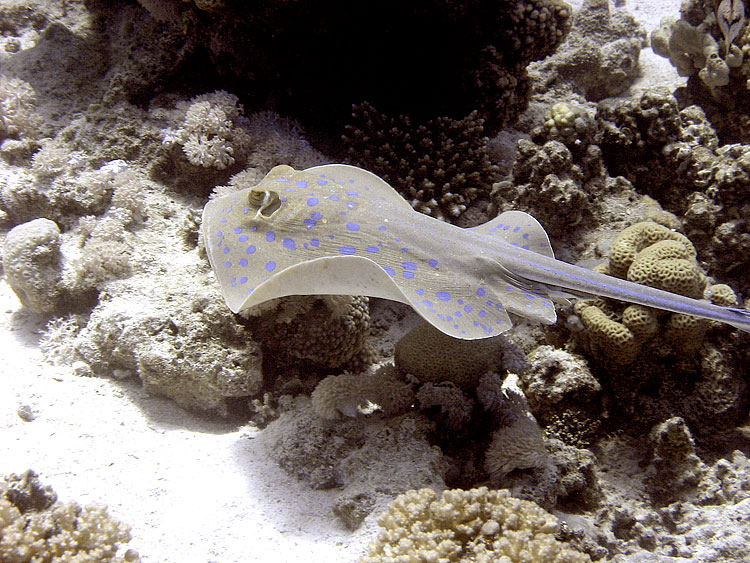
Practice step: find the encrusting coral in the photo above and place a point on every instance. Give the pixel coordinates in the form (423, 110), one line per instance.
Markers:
(34, 528)
(478, 525)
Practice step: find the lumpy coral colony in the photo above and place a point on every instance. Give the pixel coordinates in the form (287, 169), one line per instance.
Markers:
(473, 443)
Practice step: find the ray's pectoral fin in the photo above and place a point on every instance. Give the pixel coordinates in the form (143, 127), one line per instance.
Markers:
(520, 296)
(330, 275)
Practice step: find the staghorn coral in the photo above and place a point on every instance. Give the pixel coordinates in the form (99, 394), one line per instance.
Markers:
(479, 525)
(441, 168)
(34, 528)
(432, 356)
(349, 395)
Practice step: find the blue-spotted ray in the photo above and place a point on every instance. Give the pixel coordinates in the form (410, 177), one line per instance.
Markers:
(340, 230)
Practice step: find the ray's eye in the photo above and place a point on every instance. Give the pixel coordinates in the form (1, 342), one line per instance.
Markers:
(267, 202)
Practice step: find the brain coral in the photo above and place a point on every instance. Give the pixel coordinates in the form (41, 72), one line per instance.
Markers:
(432, 356)
(650, 254)
(477, 525)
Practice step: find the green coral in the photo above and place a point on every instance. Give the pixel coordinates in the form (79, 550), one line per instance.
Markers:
(477, 525)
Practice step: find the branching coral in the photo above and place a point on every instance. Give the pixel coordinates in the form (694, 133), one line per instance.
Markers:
(479, 525)
(441, 168)
(208, 134)
(55, 532)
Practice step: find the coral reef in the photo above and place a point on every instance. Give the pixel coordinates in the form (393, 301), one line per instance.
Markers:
(675, 467)
(368, 462)
(196, 354)
(436, 59)
(563, 395)
(468, 525)
(598, 58)
(35, 528)
(560, 177)
(709, 41)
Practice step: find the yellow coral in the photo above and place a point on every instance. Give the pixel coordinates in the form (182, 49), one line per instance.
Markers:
(477, 525)
(641, 321)
(637, 237)
(721, 294)
(616, 341)
(685, 333)
(668, 265)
